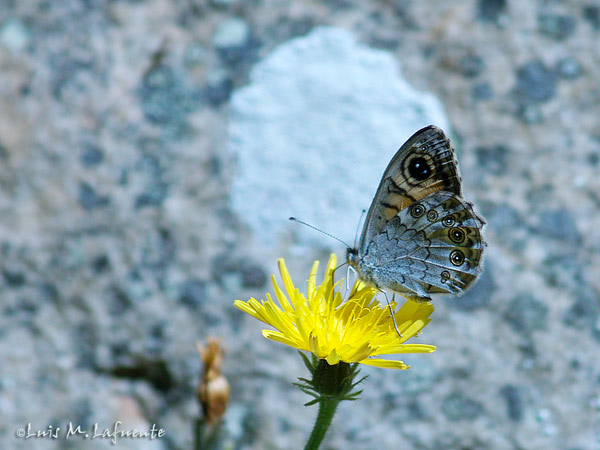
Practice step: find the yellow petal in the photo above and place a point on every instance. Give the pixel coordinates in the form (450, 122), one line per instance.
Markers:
(385, 363)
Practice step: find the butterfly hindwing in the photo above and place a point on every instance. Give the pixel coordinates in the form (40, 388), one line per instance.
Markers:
(434, 246)
(453, 255)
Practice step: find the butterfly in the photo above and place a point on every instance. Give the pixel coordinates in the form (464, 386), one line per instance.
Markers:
(421, 236)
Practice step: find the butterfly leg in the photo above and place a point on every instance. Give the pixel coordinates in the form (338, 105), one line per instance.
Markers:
(350, 269)
(392, 311)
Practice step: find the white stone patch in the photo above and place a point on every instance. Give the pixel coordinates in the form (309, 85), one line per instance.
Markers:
(314, 130)
(14, 35)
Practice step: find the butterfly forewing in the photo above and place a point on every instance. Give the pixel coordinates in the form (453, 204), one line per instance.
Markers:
(424, 164)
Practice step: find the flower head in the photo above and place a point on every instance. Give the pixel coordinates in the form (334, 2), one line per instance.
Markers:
(352, 331)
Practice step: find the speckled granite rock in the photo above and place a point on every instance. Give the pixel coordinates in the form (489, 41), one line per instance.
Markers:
(123, 243)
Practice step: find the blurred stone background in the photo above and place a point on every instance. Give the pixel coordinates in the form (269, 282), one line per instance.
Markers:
(151, 152)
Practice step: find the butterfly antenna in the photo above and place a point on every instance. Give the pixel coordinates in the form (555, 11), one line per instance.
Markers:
(358, 226)
(392, 312)
(293, 219)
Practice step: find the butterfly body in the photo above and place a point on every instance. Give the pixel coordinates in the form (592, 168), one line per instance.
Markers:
(421, 236)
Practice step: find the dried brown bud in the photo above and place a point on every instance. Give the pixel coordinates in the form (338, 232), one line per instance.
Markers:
(213, 392)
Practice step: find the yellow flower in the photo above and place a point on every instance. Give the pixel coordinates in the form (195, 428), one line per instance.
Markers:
(334, 330)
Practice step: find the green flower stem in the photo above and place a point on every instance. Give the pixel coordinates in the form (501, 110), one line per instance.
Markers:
(206, 435)
(327, 408)
(330, 384)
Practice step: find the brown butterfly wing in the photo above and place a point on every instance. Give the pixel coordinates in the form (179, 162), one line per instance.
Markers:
(425, 164)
